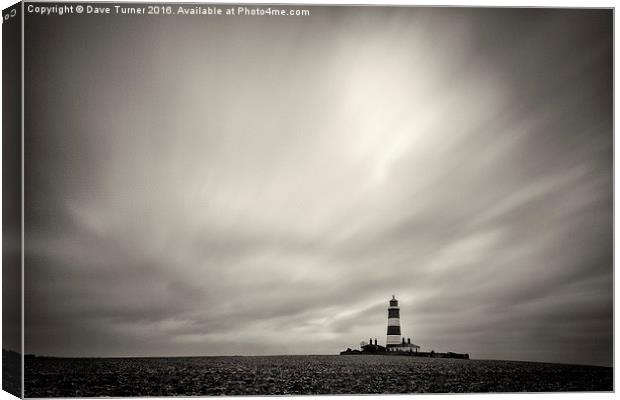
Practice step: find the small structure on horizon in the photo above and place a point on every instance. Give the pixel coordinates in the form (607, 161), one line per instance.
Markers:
(372, 348)
(395, 343)
(405, 346)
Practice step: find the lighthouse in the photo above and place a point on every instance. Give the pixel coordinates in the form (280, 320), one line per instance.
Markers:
(393, 328)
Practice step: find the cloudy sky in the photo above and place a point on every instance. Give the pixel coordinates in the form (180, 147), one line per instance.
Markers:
(239, 185)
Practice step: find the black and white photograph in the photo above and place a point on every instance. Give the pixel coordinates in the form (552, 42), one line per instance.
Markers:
(207, 199)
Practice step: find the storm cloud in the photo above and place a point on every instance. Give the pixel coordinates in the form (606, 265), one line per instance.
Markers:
(257, 185)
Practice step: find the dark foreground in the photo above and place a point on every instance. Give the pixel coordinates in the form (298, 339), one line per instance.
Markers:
(50, 377)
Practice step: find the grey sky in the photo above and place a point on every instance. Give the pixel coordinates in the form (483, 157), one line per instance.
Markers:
(203, 186)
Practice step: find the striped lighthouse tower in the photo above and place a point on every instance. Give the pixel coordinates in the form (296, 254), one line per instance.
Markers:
(393, 329)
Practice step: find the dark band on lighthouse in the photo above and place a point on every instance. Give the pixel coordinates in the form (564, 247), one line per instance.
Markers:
(393, 330)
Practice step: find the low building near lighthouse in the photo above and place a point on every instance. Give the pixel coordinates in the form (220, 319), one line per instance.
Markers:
(405, 346)
(372, 347)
